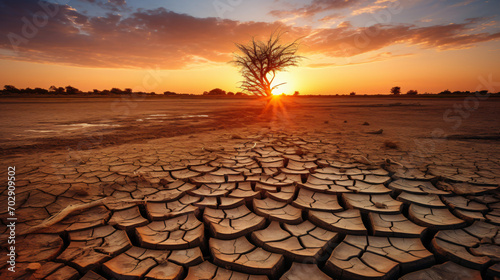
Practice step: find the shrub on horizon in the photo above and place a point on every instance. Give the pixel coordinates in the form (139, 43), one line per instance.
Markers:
(11, 89)
(396, 90)
(215, 91)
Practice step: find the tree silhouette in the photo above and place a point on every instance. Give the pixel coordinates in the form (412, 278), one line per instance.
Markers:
(72, 90)
(412, 92)
(261, 60)
(396, 90)
(215, 91)
(39, 90)
(11, 89)
(116, 91)
(58, 90)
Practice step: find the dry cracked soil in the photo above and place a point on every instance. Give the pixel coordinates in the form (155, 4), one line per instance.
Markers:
(286, 192)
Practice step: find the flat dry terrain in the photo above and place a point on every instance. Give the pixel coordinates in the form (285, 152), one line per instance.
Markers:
(191, 188)
(51, 123)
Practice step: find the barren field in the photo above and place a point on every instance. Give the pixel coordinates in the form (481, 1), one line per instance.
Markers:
(299, 188)
(47, 124)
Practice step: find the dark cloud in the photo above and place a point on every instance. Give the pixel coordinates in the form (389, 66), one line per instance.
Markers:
(345, 40)
(151, 37)
(168, 40)
(451, 36)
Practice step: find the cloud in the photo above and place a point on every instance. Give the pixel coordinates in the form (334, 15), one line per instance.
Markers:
(346, 41)
(112, 5)
(333, 17)
(319, 6)
(356, 7)
(451, 36)
(462, 3)
(144, 39)
(374, 58)
(316, 6)
(169, 40)
(377, 6)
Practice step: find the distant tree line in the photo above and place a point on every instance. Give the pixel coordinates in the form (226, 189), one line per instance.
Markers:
(220, 92)
(68, 90)
(445, 92)
(397, 91)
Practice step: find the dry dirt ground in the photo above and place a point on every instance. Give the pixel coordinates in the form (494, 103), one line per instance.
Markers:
(302, 188)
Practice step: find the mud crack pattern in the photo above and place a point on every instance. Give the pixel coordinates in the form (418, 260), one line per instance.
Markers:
(271, 207)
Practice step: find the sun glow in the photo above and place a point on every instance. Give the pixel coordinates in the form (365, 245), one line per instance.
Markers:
(285, 88)
(287, 82)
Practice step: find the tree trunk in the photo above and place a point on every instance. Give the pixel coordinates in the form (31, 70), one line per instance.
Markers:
(268, 91)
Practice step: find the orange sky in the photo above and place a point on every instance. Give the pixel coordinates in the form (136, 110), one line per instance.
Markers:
(139, 50)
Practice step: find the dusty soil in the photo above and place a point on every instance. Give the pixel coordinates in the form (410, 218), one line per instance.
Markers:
(416, 179)
(39, 125)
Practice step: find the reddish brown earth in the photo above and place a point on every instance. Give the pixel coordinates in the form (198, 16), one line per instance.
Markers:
(312, 188)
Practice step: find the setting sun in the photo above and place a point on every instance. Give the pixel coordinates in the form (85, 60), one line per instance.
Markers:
(287, 82)
(285, 88)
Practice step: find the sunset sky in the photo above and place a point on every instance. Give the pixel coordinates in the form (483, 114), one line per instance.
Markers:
(185, 46)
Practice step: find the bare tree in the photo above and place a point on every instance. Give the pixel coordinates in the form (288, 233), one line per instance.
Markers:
(261, 60)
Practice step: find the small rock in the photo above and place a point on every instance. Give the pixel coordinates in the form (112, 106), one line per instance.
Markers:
(380, 205)
(299, 152)
(34, 266)
(390, 145)
(80, 192)
(366, 123)
(163, 182)
(375, 132)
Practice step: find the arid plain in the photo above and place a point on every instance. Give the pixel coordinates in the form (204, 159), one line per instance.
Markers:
(226, 188)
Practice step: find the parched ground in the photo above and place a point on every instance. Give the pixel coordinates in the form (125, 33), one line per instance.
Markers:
(306, 190)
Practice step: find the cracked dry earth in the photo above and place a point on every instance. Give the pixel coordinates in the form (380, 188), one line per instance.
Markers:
(273, 206)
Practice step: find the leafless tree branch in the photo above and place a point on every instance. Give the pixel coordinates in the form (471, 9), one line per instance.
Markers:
(261, 60)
